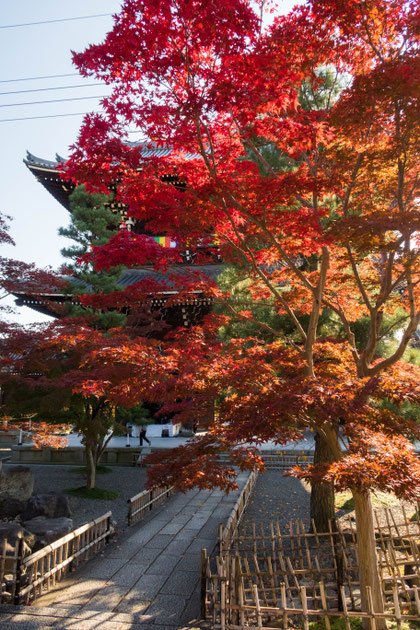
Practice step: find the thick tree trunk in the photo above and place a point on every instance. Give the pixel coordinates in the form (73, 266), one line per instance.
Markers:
(367, 557)
(91, 468)
(322, 494)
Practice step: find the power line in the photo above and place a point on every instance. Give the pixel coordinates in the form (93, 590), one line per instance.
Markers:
(70, 19)
(49, 89)
(45, 116)
(48, 76)
(58, 116)
(55, 100)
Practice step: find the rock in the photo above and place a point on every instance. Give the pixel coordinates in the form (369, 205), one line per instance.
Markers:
(50, 505)
(16, 482)
(47, 530)
(11, 507)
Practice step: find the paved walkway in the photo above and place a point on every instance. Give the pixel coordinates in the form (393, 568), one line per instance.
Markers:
(149, 578)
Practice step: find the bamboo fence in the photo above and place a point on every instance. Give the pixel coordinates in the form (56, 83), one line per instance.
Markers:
(264, 576)
(36, 573)
(9, 555)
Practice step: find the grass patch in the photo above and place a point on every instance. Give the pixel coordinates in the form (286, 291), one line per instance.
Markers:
(92, 493)
(82, 470)
(335, 622)
(344, 500)
(339, 624)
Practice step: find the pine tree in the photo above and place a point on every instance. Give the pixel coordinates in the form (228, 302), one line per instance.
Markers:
(92, 223)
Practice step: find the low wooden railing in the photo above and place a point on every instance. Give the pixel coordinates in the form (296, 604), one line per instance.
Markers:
(142, 503)
(36, 573)
(287, 459)
(227, 532)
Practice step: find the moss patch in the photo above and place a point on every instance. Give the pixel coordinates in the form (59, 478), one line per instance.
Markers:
(92, 493)
(82, 470)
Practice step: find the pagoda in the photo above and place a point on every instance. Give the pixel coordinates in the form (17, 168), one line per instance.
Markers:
(185, 312)
(188, 312)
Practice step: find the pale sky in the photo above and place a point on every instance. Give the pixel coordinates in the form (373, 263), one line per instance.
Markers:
(35, 51)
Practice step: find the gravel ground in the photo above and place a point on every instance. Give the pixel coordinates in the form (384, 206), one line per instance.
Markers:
(284, 499)
(278, 498)
(126, 480)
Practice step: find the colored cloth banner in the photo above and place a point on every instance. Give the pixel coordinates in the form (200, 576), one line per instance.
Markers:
(165, 241)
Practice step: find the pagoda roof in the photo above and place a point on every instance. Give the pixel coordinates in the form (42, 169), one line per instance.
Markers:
(48, 172)
(41, 301)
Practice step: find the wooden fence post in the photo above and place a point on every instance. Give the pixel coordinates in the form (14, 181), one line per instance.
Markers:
(20, 546)
(221, 548)
(203, 583)
(108, 527)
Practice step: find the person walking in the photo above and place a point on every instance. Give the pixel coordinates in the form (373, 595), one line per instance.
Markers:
(142, 436)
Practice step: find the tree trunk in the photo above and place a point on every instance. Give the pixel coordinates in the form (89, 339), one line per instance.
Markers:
(91, 468)
(322, 508)
(367, 557)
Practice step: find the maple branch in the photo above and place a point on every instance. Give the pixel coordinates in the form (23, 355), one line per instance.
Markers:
(358, 279)
(315, 312)
(262, 275)
(370, 41)
(352, 182)
(386, 363)
(259, 323)
(394, 325)
(258, 154)
(350, 334)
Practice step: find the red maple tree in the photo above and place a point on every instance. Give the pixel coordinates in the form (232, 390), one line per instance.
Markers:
(334, 225)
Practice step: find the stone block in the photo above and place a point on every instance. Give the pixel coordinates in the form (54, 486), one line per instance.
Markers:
(47, 530)
(10, 507)
(16, 482)
(50, 505)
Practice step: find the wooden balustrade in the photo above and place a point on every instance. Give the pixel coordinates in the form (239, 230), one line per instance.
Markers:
(36, 573)
(142, 503)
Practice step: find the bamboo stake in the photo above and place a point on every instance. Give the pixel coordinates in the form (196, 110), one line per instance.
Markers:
(241, 604)
(397, 608)
(222, 604)
(203, 583)
(273, 539)
(314, 529)
(260, 580)
(257, 606)
(371, 610)
(273, 586)
(324, 605)
(284, 605)
(286, 579)
(345, 610)
(399, 535)
(304, 607)
(417, 599)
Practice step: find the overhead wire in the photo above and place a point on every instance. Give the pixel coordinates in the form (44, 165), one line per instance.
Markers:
(50, 89)
(70, 19)
(58, 116)
(47, 76)
(45, 116)
(55, 100)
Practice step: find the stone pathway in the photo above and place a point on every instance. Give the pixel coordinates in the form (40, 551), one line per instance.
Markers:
(149, 578)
